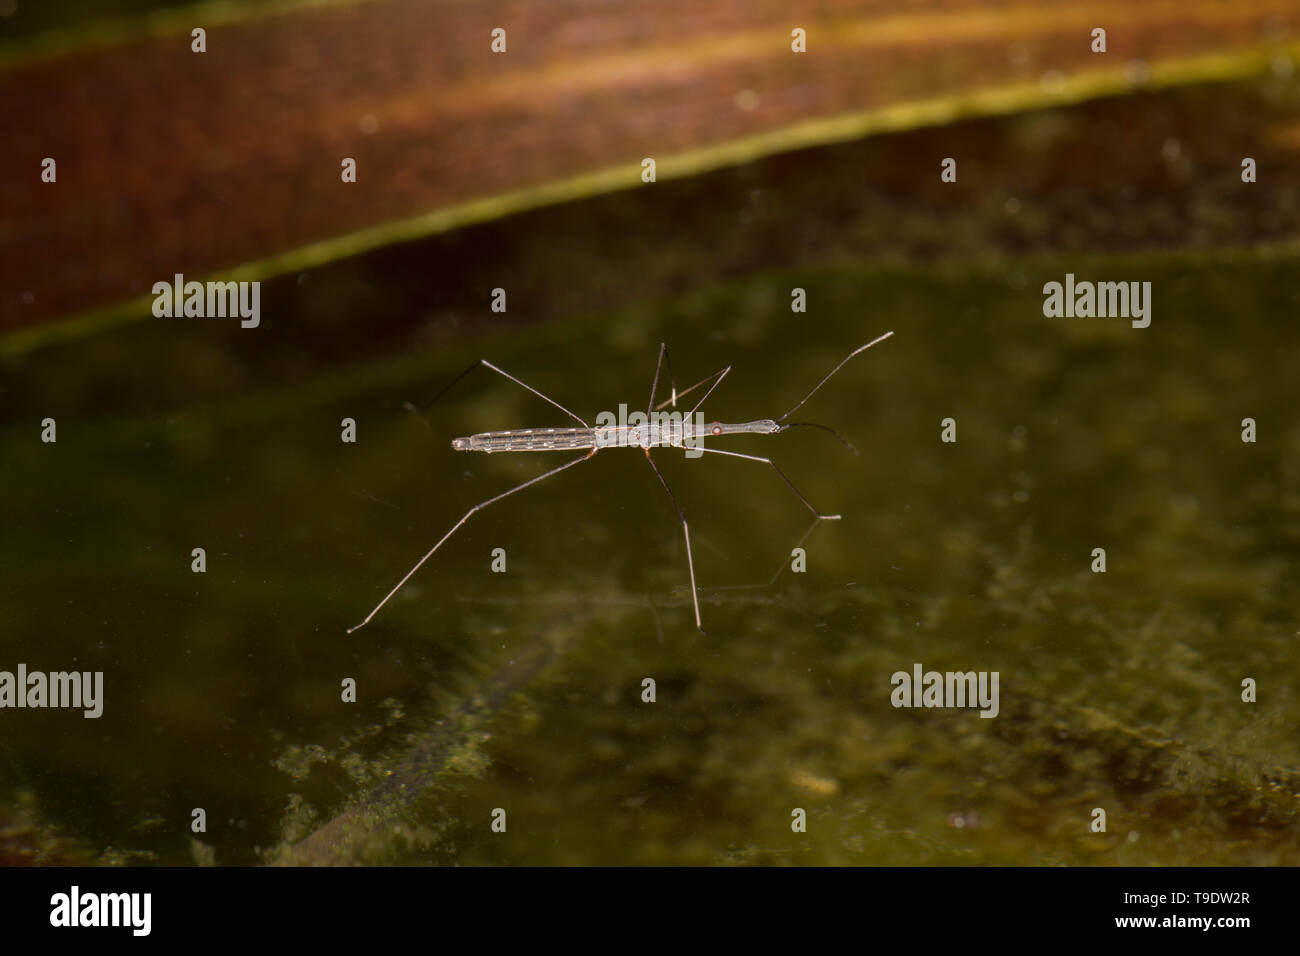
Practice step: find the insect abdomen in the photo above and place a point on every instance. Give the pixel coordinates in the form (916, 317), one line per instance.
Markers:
(528, 439)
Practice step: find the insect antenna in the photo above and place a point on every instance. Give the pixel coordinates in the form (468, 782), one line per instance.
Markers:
(845, 361)
(826, 428)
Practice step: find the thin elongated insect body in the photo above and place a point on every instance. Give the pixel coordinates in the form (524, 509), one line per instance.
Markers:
(528, 439)
(667, 434)
(656, 430)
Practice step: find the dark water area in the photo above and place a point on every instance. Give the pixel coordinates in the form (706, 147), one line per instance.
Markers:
(523, 690)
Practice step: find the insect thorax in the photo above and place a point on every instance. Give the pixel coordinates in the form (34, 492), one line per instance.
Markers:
(636, 430)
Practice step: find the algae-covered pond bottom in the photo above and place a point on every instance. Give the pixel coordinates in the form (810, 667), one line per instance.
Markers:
(523, 690)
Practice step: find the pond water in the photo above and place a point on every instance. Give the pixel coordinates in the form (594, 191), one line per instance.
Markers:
(523, 691)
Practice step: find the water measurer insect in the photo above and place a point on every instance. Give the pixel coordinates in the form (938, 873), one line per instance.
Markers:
(656, 429)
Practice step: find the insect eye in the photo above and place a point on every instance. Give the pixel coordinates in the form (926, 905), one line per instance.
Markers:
(717, 428)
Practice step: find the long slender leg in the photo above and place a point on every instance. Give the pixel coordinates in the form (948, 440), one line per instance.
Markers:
(721, 375)
(663, 358)
(456, 527)
(686, 530)
(546, 398)
(686, 391)
(536, 392)
(769, 461)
